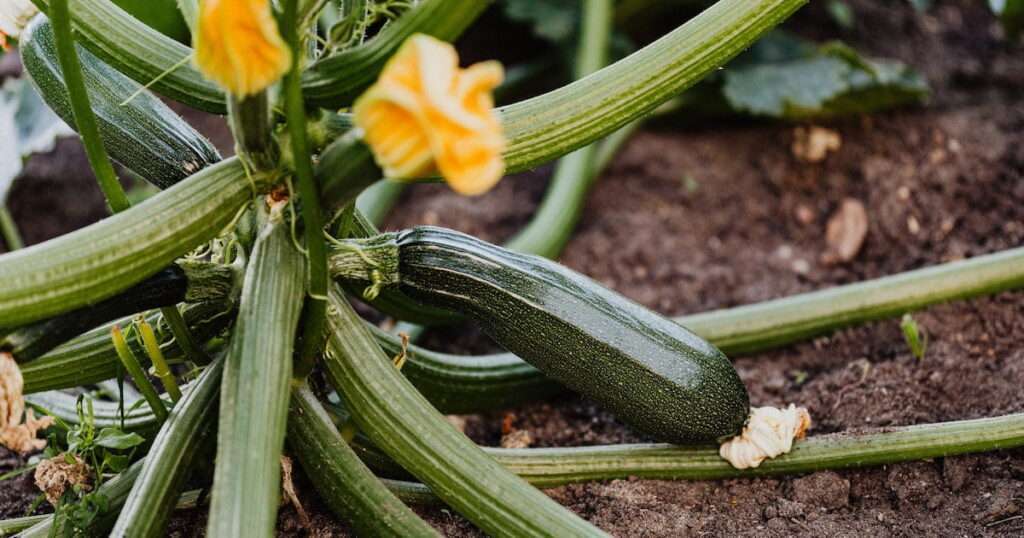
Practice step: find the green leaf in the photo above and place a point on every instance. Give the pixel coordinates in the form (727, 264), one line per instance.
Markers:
(554, 20)
(115, 463)
(117, 439)
(832, 81)
(27, 126)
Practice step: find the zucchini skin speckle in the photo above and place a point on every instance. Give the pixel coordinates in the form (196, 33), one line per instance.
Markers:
(652, 373)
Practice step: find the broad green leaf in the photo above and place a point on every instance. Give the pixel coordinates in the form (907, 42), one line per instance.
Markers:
(832, 81)
(27, 126)
(117, 439)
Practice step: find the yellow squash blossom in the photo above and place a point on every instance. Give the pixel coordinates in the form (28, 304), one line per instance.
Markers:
(237, 45)
(426, 116)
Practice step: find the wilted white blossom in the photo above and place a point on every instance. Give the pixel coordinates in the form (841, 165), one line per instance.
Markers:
(769, 433)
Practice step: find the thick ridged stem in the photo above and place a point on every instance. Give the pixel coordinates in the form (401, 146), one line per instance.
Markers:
(549, 467)
(252, 127)
(255, 388)
(169, 460)
(85, 121)
(348, 487)
(392, 413)
(554, 221)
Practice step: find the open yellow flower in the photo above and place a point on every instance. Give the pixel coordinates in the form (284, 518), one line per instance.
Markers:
(237, 45)
(426, 116)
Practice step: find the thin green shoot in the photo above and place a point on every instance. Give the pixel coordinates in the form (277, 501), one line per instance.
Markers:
(917, 340)
(156, 357)
(131, 364)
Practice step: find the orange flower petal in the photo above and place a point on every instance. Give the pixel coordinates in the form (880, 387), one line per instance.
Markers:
(237, 45)
(425, 115)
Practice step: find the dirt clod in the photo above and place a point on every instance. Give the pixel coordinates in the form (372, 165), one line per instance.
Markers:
(824, 489)
(812, 144)
(845, 233)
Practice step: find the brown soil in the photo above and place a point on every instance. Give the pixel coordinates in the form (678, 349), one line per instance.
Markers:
(939, 183)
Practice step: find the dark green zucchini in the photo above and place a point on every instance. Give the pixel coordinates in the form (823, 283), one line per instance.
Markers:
(181, 281)
(143, 134)
(649, 371)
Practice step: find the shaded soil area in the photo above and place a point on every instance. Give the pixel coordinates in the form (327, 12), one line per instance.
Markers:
(701, 217)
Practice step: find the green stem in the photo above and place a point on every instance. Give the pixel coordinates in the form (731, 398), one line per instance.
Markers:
(255, 388)
(552, 225)
(252, 127)
(11, 527)
(190, 12)
(170, 458)
(770, 324)
(9, 229)
(131, 364)
(396, 417)
(377, 200)
(156, 357)
(550, 467)
(60, 17)
(350, 490)
(183, 336)
(312, 217)
(591, 108)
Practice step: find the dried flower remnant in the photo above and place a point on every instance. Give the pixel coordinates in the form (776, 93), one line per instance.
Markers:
(237, 45)
(769, 432)
(426, 116)
(55, 475)
(15, 435)
(14, 17)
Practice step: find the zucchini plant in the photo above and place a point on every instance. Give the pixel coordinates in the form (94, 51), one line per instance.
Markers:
(240, 274)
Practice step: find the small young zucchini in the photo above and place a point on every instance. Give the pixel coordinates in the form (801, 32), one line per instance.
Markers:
(139, 131)
(649, 371)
